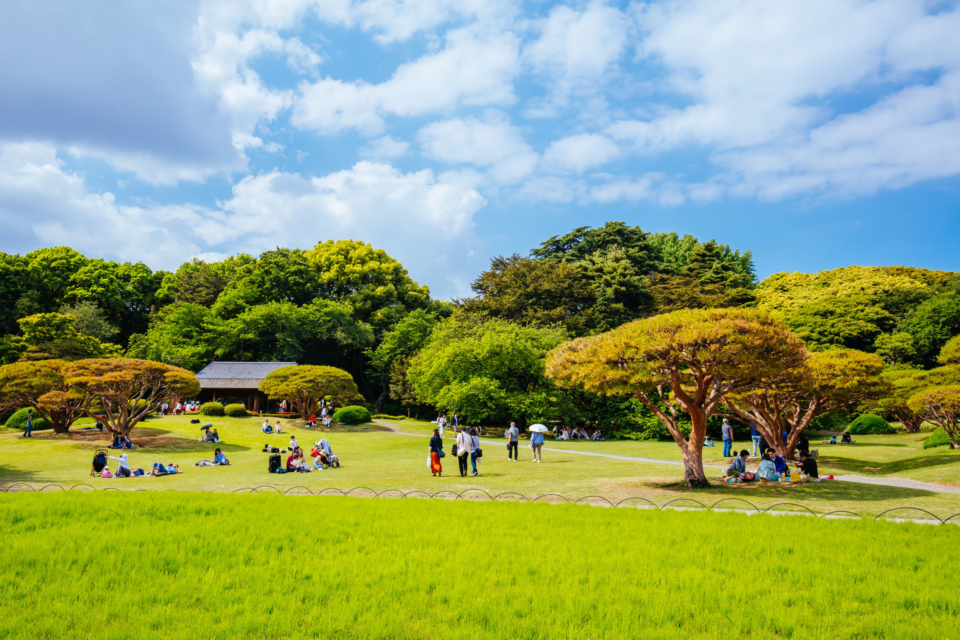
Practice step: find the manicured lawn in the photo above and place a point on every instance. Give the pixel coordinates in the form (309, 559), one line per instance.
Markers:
(375, 458)
(119, 565)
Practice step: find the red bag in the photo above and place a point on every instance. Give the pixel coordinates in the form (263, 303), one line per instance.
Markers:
(749, 476)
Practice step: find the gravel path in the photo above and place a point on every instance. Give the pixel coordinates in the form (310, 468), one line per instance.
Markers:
(904, 483)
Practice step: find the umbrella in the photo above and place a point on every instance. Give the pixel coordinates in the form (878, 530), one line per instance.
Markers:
(538, 428)
(206, 426)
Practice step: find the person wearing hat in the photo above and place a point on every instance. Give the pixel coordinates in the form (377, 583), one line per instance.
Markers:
(727, 438)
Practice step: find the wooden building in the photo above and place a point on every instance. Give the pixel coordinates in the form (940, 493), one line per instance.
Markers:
(238, 382)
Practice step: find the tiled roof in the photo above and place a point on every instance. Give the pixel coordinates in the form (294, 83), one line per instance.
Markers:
(237, 375)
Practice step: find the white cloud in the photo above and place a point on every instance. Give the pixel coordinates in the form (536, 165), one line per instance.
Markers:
(470, 70)
(492, 142)
(385, 148)
(406, 214)
(576, 50)
(580, 152)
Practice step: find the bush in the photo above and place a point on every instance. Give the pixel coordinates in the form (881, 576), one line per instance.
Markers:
(938, 438)
(234, 411)
(352, 415)
(648, 428)
(211, 409)
(387, 416)
(19, 421)
(831, 421)
(870, 424)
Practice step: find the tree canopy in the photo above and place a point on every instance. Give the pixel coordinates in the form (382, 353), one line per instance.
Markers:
(690, 359)
(940, 405)
(43, 386)
(304, 386)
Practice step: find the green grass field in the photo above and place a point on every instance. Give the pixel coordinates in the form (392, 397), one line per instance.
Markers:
(185, 565)
(376, 458)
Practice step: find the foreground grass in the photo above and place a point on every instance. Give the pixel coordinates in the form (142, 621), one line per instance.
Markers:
(179, 565)
(373, 457)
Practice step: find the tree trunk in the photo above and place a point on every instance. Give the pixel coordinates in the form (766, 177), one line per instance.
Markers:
(379, 405)
(693, 473)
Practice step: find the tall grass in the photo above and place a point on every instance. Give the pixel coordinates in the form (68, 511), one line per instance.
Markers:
(164, 565)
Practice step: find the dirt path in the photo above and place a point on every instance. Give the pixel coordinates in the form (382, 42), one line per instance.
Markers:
(904, 483)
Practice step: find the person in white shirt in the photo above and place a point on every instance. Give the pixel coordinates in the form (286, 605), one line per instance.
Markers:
(474, 449)
(123, 468)
(266, 427)
(513, 440)
(293, 443)
(463, 450)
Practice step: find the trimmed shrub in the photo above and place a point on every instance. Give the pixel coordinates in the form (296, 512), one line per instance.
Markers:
(19, 421)
(352, 415)
(235, 411)
(938, 438)
(870, 424)
(385, 416)
(211, 409)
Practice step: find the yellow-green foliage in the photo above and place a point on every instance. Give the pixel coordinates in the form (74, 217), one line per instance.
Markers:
(173, 565)
(784, 291)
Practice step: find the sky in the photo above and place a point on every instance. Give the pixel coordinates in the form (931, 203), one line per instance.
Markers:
(816, 133)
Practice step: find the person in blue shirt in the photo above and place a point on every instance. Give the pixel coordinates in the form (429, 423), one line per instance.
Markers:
(727, 431)
(739, 464)
(536, 443)
(779, 463)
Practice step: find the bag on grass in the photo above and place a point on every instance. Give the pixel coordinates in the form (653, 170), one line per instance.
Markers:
(274, 463)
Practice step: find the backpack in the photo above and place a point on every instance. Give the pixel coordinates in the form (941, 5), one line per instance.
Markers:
(274, 463)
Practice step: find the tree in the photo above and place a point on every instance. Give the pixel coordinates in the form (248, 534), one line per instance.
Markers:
(932, 324)
(789, 399)
(182, 334)
(621, 291)
(89, 320)
(399, 344)
(581, 243)
(129, 390)
(691, 359)
(42, 385)
(304, 386)
(538, 292)
(488, 369)
(53, 336)
(940, 405)
(895, 348)
(950, 353)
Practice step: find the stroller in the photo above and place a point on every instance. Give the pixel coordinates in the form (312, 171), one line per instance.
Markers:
(331, 459)
(99, 462)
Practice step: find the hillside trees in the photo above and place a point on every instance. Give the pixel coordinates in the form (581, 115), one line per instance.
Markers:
(688, 359)
(43, 386)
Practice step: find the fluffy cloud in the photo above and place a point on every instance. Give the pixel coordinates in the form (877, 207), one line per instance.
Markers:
(469, 71)
(580, 152)
(492, 142)
(413, 216)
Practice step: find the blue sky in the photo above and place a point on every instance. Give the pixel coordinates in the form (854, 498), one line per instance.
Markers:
(818, 134)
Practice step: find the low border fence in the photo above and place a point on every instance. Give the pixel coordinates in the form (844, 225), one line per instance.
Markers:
(686, 504)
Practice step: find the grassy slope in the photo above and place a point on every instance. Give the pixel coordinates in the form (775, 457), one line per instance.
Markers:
(380, 460)
(163, 565)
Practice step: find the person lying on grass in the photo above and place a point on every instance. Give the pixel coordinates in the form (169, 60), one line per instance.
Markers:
(218, 460)
(808, 468)
(160, 470)
(739, 464)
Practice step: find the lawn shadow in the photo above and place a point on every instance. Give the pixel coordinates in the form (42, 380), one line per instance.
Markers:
(910, 464)
(829, 491)
(154, 441)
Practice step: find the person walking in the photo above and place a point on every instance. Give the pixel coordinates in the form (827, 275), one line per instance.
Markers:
(463, 450)
(513, 441)
(727, 438)
(475, 452)
(28, 432)
(755, 436)
(436, 446)
(536, 443)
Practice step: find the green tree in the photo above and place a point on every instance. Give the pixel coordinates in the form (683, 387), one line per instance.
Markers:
(13, 281)
(632, 243)
(689, 359)
(53, 336)
(621, 290)
(790, 398)
(182, 334)
(673, 251)
(940, 405)
(42, 385)
(399, 344)
(932, 324)
(129, 390)
(488, 369)
(950, 353)
(895, 348)
(89, 320)
(304, 386)
(904, 383)
(538, 292)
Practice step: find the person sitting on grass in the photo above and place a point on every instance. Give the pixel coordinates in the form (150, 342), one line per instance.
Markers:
(739, 464)
(846, 439)
(279, 428)
(808, 468)
(767, 471)
(779, 463)
(125, 443)
(320, 461)
(215, 437)
(116, 444)
(293, 461)
(123, 468)
(266, 427)
(293, 442)
(832, 440)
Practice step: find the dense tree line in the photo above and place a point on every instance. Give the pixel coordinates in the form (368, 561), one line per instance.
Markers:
(348, 305)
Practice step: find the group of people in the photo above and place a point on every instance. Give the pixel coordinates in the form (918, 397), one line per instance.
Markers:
(565, 433)
(467, 449)
(321, 453)
(219, 460)
(268, 429)
(189, 406)
(121, 442)
(773, 468)
(760, 443)
(100, 468)
(210, 437)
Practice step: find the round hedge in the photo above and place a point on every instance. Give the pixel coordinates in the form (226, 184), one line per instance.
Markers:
(19, 421)
(870, 424)
(235, 411)
(938, 438)
(211, 409)
(352, 415)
